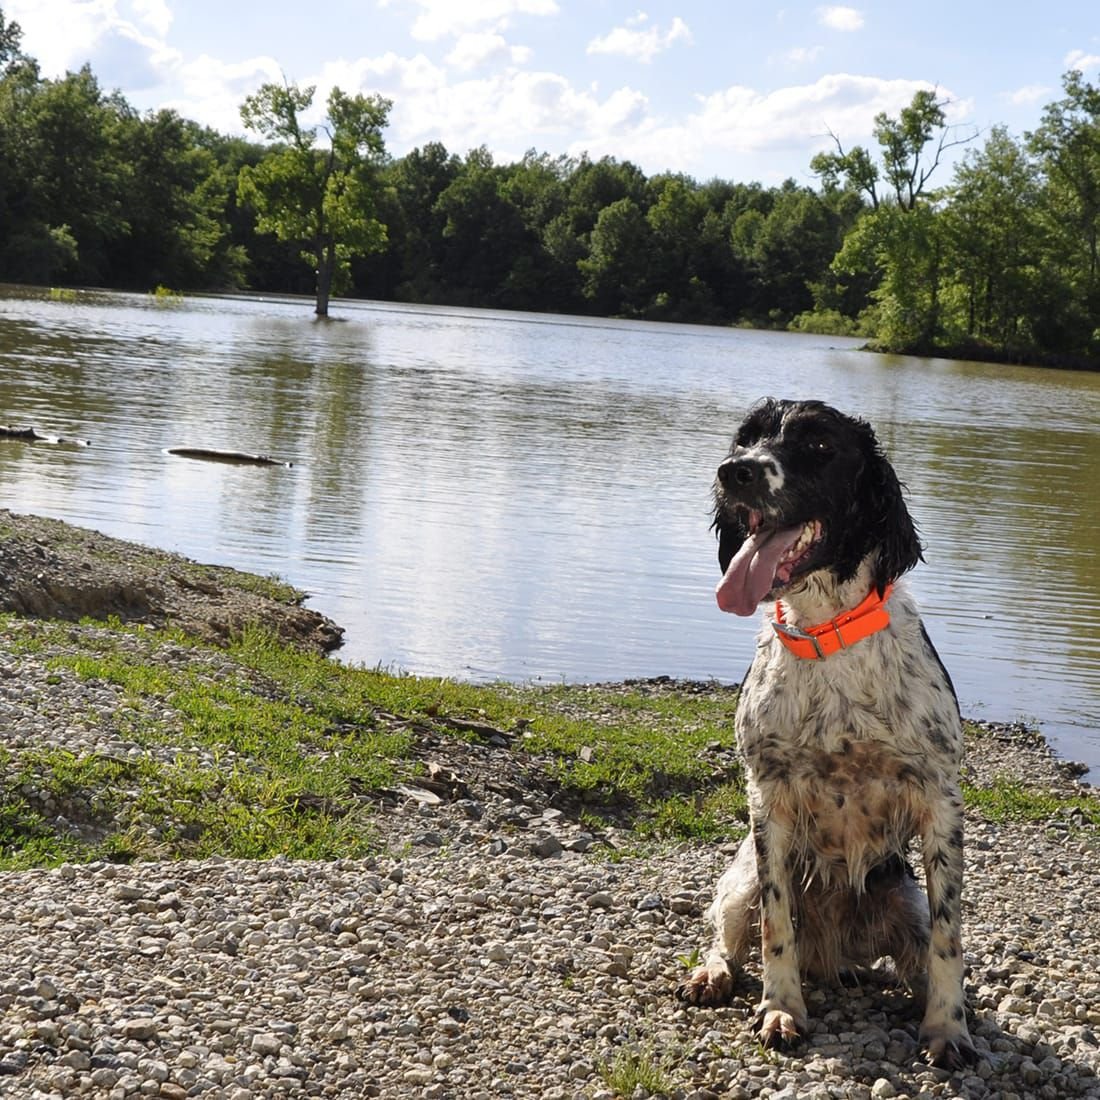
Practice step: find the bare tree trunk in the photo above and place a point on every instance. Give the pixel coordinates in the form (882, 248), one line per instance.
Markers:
(325, 270)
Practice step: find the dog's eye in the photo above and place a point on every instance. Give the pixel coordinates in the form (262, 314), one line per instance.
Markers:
(820, 447)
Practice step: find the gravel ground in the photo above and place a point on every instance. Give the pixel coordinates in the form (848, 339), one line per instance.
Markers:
(500, 948)
(451, 972)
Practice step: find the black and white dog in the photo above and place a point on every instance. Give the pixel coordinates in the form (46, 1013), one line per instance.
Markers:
(849, 728)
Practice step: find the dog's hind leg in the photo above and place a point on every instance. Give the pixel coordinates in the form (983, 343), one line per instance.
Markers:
(906, 931)
(736, 918)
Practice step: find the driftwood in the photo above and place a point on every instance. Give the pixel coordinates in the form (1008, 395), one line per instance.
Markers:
(236, 458)
(33, 435)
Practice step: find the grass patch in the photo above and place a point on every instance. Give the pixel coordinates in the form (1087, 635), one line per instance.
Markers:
(635, 748)
(263, 749)
(270, 585)
(636, 1067)
(1010, 800)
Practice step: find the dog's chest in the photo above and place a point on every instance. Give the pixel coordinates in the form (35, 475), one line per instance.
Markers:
(888, 691)
(847, 752)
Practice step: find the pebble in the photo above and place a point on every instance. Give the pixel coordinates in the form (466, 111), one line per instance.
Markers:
(537, 986)
(486, 955)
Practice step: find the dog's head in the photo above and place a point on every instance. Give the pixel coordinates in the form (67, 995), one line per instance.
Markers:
(806, 489)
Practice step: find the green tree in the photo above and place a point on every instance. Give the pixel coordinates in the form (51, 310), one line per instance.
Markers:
(675, 216)
(546, 278)
(63, 146)
(174, 198)
(11, 40)
(996, 244)
(484, 236)
(911, 148)
(415, 238)
(322, 198)
(1067, 143)
(616, 269)
(904, 248)
(899, 240)
(788, 250)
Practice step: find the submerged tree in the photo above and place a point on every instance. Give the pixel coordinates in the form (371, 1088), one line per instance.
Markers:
(322, 197)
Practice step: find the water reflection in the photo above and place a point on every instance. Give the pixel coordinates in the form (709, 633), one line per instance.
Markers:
(509, 495)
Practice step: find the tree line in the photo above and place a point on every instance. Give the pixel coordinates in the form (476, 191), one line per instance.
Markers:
(1000, 260)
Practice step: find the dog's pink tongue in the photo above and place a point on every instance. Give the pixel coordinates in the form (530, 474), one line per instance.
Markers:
(749, 577)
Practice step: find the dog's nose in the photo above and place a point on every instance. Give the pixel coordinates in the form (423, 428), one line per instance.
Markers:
(739, 471)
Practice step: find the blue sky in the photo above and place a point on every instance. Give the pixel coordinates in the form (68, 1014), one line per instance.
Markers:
(739, 90)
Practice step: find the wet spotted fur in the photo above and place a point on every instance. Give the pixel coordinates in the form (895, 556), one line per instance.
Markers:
(850, 758)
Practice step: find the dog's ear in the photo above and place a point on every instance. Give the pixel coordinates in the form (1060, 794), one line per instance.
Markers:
(893, 528)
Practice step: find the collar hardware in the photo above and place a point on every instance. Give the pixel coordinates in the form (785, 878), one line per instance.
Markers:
(819, 642)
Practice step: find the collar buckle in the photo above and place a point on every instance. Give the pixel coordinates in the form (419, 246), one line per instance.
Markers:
(785, 630)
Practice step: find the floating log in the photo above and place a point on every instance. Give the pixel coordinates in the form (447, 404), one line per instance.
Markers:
(236, 458)
(33, 435)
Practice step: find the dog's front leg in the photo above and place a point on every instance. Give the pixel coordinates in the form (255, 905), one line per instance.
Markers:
(943, 1032)
(781, 1018)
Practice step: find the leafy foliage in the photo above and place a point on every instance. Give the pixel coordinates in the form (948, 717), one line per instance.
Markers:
(1001, 260)
(320, 198)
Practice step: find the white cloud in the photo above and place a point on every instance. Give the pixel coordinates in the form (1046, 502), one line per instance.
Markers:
(839, 18)
(124, 38)
(214, 90)
(480, 48)
(741, 123)
(1081, 61)
(440, 18)
(416, 75)
(156, 15)
(1028, 94)
(800, 55)
(528, 108)
(639, 41)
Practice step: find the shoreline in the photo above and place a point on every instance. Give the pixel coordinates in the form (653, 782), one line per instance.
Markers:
(52, 569)
(488, 891)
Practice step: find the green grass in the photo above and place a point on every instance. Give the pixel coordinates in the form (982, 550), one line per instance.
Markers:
(634, 1066)
(262, 749)
(274, 750)
(642, 748)
(1008, 799)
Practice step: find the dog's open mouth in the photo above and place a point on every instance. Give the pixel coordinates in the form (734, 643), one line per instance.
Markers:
(770, 558)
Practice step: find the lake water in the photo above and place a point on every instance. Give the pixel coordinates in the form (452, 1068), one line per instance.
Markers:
(498, 495)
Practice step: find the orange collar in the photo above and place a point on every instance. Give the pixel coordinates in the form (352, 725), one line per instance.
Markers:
(822, 641)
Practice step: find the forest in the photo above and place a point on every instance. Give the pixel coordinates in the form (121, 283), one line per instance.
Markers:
(996, 256)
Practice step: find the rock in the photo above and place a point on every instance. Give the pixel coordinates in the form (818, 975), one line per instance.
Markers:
(141, 1028)
(546, 846)
(266, 1043)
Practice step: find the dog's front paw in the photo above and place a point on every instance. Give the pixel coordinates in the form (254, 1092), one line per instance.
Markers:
(947, 1050)
(780, 1027)
(707, 985)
